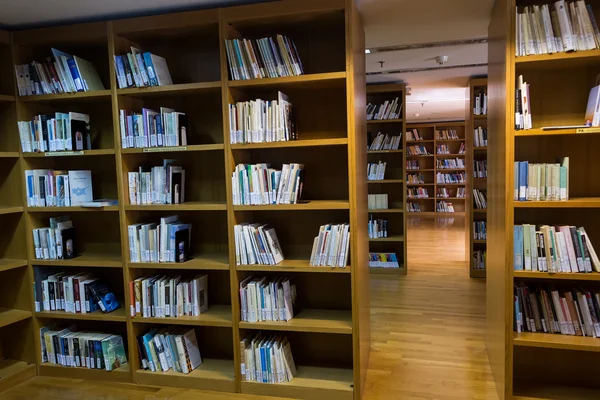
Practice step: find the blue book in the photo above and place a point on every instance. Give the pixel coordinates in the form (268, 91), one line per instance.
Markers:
(147, 338)
(523, 177)
(263, 362)
(518, 247)
(75, 74)
(150, 69)
(241, 63)
(516, 176)
(99, 355)
(159, 131)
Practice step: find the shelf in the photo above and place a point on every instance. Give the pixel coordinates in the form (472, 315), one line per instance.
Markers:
(408, 198)
(478, 273)
(591, 276)
(310, 205)
(85, 96)
(189, 206)
(117, 315)
(309, 383)
(451, 184)
(175, 149)
(449, 198)
(13, 372)
(171, 90)
(387, 271)
(556, 60)
(484, 116)
(420, 141)
(122, 374)
(387, 210)
(199, 262)
(296, 143)
(450, 169)
(294, 266)
(420, 184)
(547, 391)
(451, 155)
(323, 321)
(217, 315)
(480, 211)
(81, 153)
(8, 264)
(418, 155)
(556, 341)
(384, 121)
(10, 210)
(392, 238)
(9, 154)
(556, 132)
(7, 97)
(85, 260)
(449, 140)
(72, 209)
(577, 202)
(477, 149)
(314, 81)
(479, 241)
(9, 316)
(419, 170)
(211, 375)
(381, 151)
(386, 181)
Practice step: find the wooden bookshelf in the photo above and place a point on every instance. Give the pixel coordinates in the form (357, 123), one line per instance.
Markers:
(335, 301)
(394, 183)
(524, 366)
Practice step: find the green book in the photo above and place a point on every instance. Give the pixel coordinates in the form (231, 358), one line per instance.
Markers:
(113, 350)
(527, 246)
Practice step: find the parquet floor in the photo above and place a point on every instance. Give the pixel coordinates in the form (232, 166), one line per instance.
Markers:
(427, 335)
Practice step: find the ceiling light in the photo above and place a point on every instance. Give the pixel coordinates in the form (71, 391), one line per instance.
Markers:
(367, 51)
(417, 114)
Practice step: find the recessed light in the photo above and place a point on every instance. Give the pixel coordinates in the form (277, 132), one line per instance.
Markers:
(367, 51)
(417, 114)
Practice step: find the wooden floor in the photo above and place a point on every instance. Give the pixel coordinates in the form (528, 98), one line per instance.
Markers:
(427, 334)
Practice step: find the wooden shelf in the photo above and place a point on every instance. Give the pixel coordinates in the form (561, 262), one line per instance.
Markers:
(189, 206)
(85, 260)
(450, 169)
(10, 210)
(478, 149)
(80, 96)
(82, 153)
(420, 184)
(9, 316)
(309, 383)
(8, 264)
(480, 241)
(7, 97)
(13, 372)
(479, 211)
(556, 132)
(392, 238)
(217, 315)
(384, 121)
(591, 276)
(484, 116)
(584, 57)
(9, 154)
(478, 273)
(419, 141)
(214, 375)
(419, 155)
(311, 205)
(294, 265)
(450, 184)
(449, 198)
(314, 81)
(117, 315)
(450, 155)
(387, 210)
(577, 202)
(384, 151)
(175, 149)
(387, 271)
(122, 374)
(218, 262)
(548, 391)
(409, 198)
(323, 321)
(296, 143)
(449, 140)
(419, 170)
(171, 90)
(72, 209)
(387, 181)
(556, 341)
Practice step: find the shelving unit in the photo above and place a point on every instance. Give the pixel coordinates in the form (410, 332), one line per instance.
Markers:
(394, 183)
(330, 334)
(476, 85)
(530, 366)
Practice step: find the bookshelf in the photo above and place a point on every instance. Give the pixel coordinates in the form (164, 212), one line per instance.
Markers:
(524, 365)
(394, 184)
(428, 166)
(474, 154)
(330, 334)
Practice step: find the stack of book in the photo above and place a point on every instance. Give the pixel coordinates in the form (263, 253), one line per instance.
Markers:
(330, 247)
(259, 184)
(387, 110)
(386, 142)
(153, 129)
(522, 105)
(412, 164)
(164, 184)
(565, 311)
(480, 197)
(66, 74)
(479, 259)
(48, 188)
(377, 228)
(57, 241)
(417, 193)
(72, 348)
(413, 136)
(267, 359)
(162, 296)
(443, 149)
(414, 179)
(480, 169)
(137, 69)
(442, 192)
(446, 134)
(553, 249)
(449, 163)
(260, 121)
(417, 151)
(269, 57)
(556, 28)
(376, 171)
(480, 138)
(444, 206)
(413, 207)
(592, 112)
(257, 244)
(457, 177)
(378, 201)
(171, 348)
(462, 148)
(535, 182)
(267, 299)
(460, 193)
(479, 230)
(480, 103)
(55, 132)
(167, 241)
(383, 260)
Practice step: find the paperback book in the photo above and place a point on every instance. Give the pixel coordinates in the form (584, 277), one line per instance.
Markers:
(137, 69)
(257, 244)
(151, 128)
(259, 184)
(55, 132)
(331, 246)
(169, 349)
(56, 242)
(166, 241)
(164, 184)
(267, 299)
(267, 359)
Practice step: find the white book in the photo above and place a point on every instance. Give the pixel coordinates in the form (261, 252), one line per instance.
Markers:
(565, 26)
(80, 189)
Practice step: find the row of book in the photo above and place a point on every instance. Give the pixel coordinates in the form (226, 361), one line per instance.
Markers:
(479, 230)
(445, 149)
(170, 348)
(377, 201)
(164, 296)
(553, 249)
(331, 246)
(480, 138)
(456, 177)
(480, 169)
(166, 241)
(444, 206)
(445, 193)
(523, 118)
(446, 134)
(260, 121)
(163, 184)
(481, 99)
(137, 69)
(413, 136)
(541, 182)
(268, 57)
(150, 128)
(556, 28)
(56, 242)
(479, 259)
(415, 179)
(259, 184)
(377, 228)
(267, 299)
(411, 206)
(49, 188)
(77, 293)
(384, 111)
(70, 347)
(376, 171)
(66, 74)
(480, 199)
(417, 193)
(257, 244)
(412, 164)
(383, 260)
(450, 163)
(267, 359)
(549, 309)
(415, 150)
(385, 142)
(55, 132)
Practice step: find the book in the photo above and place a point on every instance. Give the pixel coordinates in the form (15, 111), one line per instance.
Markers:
(80, 183)
(377, 201)
(164, 184)
(259, 184)
(388, 110)
(542, 182)
(170, 348)
(331, 246)
(268, 359)
(377, 227)
(257, 244)
(385, 142)
(154, 243)
(383, 260)
(267, 299)
(167, 128)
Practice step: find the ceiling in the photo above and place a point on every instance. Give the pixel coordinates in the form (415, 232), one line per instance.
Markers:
(437, 95)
